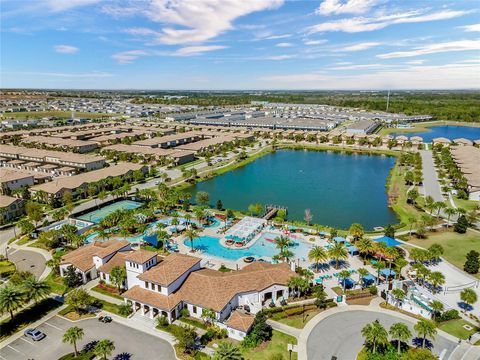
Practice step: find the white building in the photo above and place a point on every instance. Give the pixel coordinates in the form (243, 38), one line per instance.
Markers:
(165, 287)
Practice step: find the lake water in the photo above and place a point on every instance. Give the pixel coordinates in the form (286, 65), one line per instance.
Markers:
(446, 131)
(338, 188)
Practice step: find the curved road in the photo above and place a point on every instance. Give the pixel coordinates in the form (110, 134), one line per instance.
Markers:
(340, 335)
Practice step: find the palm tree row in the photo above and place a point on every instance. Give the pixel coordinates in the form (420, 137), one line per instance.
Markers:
(376, 335)
(14, 297)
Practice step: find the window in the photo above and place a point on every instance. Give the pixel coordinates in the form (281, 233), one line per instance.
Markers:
(146, 284)
(194, 309)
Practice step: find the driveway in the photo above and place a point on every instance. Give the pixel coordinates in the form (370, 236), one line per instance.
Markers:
(26, 260)
(340, 335)
(431, 185)
(126, 340)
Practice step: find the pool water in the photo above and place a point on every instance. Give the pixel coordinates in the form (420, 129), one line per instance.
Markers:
(98, 215)
(263, 247)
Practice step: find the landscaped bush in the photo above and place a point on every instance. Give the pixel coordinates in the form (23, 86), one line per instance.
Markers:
(448, 315)
(373, 290)
(82, 355)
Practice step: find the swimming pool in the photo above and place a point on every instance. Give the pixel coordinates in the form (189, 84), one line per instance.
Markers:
(263, 247)
(98, 215)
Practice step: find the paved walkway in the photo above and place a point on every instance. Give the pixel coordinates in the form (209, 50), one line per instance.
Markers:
(284, 328)
(431, 186)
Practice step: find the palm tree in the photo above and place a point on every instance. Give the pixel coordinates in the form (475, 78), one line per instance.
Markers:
(379, 265)
(437, 307)
(294, 283)
(375, 334)
(400, 332)
(362, 272)
(399, 295)
(11, 298)
(449, 212)
(282, 242)
(399, 264)
(436, 278)
(338, 252)
(317, 254)
(35, 289)
(425, 328)
(468, 296)
(72, 335)
(191, 234)
(439, 206)
(365, 246)
(104, 347)
(391, 254)
(343, 276)
(357, 231)
(411, 222)
(227, 351)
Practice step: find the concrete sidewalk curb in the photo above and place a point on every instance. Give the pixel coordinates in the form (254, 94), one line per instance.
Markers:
(302, 339)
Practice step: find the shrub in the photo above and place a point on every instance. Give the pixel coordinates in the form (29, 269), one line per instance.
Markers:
(162, 321)
(461, 225)
(373, 290)
(472, 264)
(184, 312)
(124, 310)
(276, 356)
(448, 315)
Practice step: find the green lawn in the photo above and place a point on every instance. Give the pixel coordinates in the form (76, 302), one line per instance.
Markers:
(6, 268)
(297, 321)
(107, 293)
(456, 245)
(277, 345)
(466, 204)
(455, 328)
(56, 283)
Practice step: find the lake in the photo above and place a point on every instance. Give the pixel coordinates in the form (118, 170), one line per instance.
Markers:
(447, 131)
(338, 188)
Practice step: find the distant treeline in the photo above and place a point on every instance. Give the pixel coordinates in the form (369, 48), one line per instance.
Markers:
(455, 105)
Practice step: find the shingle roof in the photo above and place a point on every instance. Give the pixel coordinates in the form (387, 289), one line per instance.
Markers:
(117, 260)
(140, 256)
(170, 269)
(152, 298)
(240, 321)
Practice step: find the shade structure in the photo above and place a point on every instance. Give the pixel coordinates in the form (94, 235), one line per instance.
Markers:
(387, 272)
(339, 239)
(388, 241)
(245, 229)
(352, 250)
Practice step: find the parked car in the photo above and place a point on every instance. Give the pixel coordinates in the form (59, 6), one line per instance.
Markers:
(105, 319)
(34, 334)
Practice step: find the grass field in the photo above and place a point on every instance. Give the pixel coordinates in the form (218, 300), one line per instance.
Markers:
(456, 245)
(455, 328)
(466, 204)
(296, 321)
(58, 114)
(278, 345)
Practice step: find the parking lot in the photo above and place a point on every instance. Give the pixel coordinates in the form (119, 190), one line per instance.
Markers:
(131, 343)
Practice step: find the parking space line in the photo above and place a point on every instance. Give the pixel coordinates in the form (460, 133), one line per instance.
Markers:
(53, 326)
(31, 343)
(1, 357)
(16, 350)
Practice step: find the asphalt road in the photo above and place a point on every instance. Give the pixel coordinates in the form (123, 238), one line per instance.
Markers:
(430, 179)
(137, 344)
(26, 260)
(340, 335)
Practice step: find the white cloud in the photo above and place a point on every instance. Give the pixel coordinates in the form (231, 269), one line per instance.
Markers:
(471, 28)
(363, 67)
(141, 31)
(193, 21)
(328, 7)
(63, 5)
(461, 45)
(279, 57)
(415, 62)
(315, 42)
(197, 50)
(284, 44)
(359, 46)
(361, 24)
(449, 76)
(127, 57)
(66, 49)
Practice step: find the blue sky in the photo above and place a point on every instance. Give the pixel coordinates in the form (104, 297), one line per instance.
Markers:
(240, 44)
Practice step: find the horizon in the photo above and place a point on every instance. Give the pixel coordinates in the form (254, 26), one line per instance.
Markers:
(267, 45)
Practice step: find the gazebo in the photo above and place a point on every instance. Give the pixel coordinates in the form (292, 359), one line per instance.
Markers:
(388, 241)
